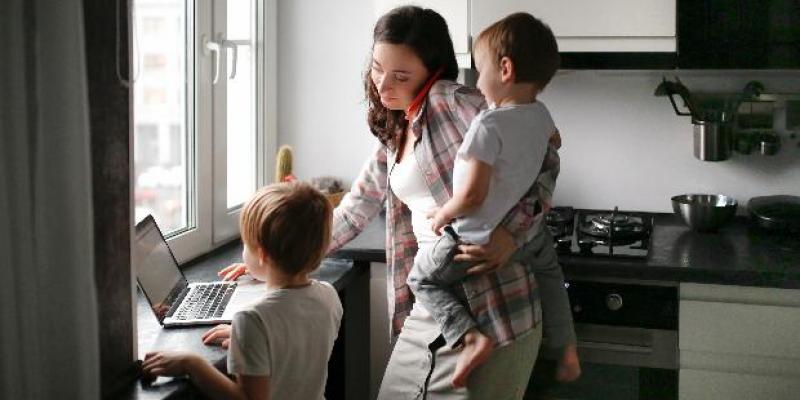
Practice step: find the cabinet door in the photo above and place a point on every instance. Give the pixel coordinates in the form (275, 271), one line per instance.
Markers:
(455, 12)
(728, 319)
(747, 329)
(591, 26)
(724, 34)
(713, 385)
(738, 342)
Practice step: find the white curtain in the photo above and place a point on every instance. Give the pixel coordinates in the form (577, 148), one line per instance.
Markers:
(48, 313)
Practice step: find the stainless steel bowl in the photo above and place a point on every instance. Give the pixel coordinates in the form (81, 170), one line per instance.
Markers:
(704, 212)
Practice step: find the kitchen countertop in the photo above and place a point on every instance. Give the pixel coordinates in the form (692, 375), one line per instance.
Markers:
(151, 336)
(735, 255)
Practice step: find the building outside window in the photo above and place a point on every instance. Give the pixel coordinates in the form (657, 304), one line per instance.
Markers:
(203, 95)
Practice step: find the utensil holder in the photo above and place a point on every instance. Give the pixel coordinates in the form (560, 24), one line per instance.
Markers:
(712, 140)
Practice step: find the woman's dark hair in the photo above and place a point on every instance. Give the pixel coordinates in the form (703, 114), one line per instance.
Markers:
(425, 32)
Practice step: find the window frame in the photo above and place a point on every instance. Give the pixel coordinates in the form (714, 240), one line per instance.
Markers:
(210, 222)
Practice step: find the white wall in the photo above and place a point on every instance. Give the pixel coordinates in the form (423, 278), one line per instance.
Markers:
(323, 47)
(622, 145)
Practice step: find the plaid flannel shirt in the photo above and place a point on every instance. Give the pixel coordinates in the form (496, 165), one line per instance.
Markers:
(505, 302)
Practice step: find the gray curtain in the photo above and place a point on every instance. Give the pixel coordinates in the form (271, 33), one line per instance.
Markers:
(48, 310)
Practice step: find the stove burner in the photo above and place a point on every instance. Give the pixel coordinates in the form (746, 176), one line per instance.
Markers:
(560, 221)
(596, 233)
(616, 226)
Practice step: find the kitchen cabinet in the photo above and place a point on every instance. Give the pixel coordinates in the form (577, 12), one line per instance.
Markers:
(623, 34)
(591, 35)
(720, 34)
(591, 26)
(738, 342)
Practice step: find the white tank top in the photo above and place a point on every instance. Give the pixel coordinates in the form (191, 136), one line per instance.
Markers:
(408, 184)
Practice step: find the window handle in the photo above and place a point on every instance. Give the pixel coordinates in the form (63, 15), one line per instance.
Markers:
(214, 49)
(228, 44)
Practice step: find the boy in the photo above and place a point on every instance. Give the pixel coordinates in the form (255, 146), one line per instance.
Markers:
(279, 346)
(516, 57)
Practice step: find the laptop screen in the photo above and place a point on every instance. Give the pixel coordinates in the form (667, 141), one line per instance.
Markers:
(156, 269)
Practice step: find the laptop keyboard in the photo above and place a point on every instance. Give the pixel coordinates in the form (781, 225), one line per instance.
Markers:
(206, 301)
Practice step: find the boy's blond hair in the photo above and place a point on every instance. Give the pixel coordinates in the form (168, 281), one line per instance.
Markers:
(291, 222)
(528, 42)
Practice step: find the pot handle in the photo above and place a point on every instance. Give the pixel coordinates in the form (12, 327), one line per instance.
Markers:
(667, 88)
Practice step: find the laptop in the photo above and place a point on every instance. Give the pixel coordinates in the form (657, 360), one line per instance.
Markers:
(174, 300)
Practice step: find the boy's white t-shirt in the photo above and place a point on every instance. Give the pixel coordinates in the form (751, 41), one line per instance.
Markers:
(288, 335)
(513, 140)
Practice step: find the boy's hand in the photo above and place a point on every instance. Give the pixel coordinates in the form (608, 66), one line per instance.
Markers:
(555, 139)
(167, 363)
(569, 368)
(438, 220)
(220, 334)
(233, 272)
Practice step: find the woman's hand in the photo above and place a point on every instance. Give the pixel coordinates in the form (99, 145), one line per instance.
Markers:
(493, 254)
(220, 334)
(233, 272)
(167, 363)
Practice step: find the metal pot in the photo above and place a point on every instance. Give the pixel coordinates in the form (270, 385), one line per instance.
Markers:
(713, 140)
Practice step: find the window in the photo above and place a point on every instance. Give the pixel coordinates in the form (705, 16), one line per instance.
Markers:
(203, 115)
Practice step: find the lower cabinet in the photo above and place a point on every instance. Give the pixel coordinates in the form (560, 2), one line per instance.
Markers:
(738, 342)
(705, 384)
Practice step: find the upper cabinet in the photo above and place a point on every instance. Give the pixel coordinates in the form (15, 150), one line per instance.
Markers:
(742, 34)
(641, 34)
(590, 33)
(619, 34)
(590, 25)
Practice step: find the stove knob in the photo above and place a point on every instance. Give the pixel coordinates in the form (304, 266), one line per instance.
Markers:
(614, 302)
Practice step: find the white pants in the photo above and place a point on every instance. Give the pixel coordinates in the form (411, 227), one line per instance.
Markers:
(503, 377)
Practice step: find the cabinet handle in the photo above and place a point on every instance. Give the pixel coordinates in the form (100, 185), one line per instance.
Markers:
(624, 348)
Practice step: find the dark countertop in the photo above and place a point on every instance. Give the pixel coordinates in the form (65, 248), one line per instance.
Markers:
(735, 255)
(151, 336)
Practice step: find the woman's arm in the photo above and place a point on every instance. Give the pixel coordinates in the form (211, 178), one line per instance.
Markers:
(364, 201)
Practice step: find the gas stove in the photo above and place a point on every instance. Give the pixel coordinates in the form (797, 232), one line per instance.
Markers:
(601, 233)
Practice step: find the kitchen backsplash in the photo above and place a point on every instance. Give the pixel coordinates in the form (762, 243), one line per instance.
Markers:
(622, 145)
(625, 147)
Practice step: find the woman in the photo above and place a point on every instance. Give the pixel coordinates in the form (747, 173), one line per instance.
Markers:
(420, 115)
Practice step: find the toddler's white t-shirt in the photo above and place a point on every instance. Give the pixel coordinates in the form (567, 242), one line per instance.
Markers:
(513, 140)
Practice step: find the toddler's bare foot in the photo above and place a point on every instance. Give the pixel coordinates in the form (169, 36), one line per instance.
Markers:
(569, 367)
(477, 349)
